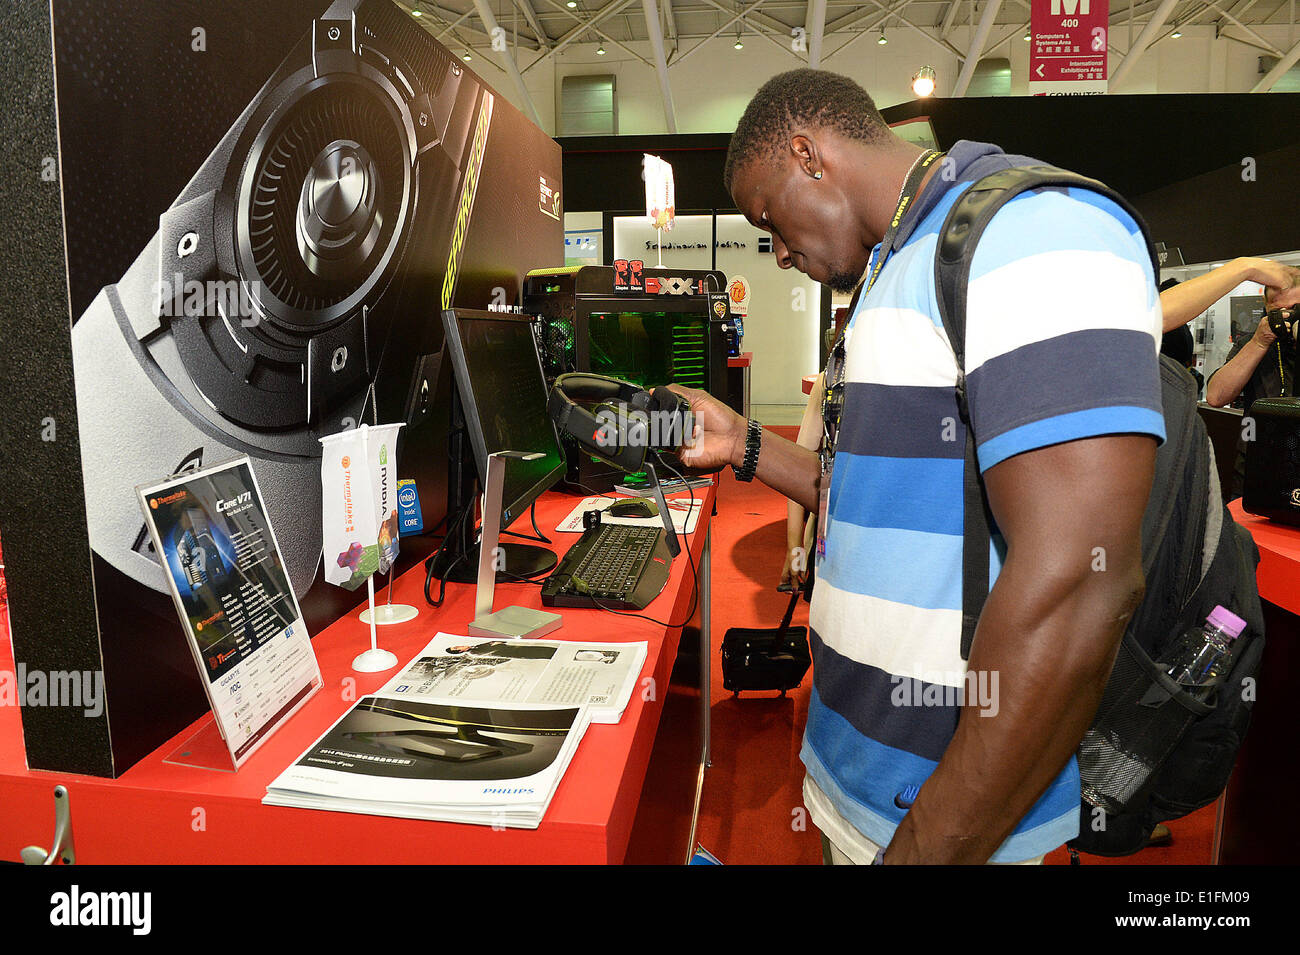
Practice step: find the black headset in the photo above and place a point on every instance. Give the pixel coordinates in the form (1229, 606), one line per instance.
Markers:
(618, 421)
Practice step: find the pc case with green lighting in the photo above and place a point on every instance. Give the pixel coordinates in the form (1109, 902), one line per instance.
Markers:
(649, 326)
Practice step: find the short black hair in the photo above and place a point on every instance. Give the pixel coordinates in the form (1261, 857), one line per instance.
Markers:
(1178, 345)
(801, 98)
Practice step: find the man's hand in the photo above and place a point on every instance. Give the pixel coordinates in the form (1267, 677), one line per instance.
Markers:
(1264, 336)
(719, 435)
(1281, 282)
(719, 440)
(1185, 301)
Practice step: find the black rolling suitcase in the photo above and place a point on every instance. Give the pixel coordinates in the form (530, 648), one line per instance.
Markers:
(756, 658)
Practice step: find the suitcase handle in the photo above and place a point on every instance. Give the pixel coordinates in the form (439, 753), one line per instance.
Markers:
(789, 610)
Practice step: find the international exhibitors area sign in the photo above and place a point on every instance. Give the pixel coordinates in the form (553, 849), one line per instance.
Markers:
(1067, 48)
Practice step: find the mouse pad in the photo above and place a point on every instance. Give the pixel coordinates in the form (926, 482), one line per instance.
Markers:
(684, 514)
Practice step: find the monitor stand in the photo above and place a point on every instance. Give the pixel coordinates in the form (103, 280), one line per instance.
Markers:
(523, 560)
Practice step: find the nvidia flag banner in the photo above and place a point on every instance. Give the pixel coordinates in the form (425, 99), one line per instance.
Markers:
(359, 513)
(359, 518)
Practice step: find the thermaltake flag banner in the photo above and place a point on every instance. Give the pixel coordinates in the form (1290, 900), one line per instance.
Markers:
(660, 204)
(359, 510)
(1067, 48)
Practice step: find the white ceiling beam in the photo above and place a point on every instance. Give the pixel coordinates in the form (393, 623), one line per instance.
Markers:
(815, 27)
(588, 25)
(1143, 40)
(852, 19)
(943, 44)
(1009, 35)
(734, 17)
(507, 60)
(758, 21)
(670, 21)
(949, 18)
(1245, 29)
(1276, 73)
(526, 8)
(454, 19)
(781, 29)
(991, 8)
(661, 63)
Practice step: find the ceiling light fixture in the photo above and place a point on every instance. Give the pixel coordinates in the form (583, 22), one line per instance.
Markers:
(571, 4)
(600, 50)
(1176, 34)
(923, 81)
(882, 41)
(467, 57)
(416, 13)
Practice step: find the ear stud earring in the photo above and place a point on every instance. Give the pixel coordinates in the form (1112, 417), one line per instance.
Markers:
(817, 174)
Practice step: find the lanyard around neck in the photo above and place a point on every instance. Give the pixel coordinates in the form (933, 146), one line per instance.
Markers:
(910, 187)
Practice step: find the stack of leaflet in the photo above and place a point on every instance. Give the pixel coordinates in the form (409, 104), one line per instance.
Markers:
(471, 730)
(496, 766)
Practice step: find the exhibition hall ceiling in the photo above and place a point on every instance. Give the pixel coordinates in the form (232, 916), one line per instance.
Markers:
(547, 26)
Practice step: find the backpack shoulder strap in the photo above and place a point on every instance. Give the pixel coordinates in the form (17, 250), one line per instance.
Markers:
(966, 222)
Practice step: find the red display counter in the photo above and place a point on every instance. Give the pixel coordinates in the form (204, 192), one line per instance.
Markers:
(158, 812)
(1258, 824)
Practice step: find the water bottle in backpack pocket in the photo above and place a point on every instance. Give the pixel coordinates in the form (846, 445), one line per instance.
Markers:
(1148, 706)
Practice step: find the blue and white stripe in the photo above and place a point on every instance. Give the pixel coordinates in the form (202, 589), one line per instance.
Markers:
(1063, 333)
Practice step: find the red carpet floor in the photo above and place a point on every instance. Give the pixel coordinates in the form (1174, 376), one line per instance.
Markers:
(752, 810)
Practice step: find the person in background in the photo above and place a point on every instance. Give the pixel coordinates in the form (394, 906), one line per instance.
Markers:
(1178, 345)
(800, 526)
(1260, 365)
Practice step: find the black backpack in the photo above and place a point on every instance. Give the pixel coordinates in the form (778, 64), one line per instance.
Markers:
(1153, 751)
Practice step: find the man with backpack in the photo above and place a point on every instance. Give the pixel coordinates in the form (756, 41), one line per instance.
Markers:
(927, 742)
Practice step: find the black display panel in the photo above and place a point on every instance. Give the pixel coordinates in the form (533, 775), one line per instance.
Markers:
(503, 394)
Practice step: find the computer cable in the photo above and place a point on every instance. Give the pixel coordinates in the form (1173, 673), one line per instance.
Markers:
(454, 527)
(532, 513)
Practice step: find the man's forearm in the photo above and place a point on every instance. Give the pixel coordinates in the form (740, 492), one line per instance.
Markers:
(790, 469)
(1184, 301)
(1047, 653)
(1227, 383)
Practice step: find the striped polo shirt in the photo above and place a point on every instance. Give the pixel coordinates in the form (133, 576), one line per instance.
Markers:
(1063, 334)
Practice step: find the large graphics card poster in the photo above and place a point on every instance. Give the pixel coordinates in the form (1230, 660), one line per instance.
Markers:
(231, 591)
(268, 205)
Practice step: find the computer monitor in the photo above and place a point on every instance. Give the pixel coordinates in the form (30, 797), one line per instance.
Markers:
(501, 396)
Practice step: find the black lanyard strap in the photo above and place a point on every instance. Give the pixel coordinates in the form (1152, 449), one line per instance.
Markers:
(833, 377)
(910, 187)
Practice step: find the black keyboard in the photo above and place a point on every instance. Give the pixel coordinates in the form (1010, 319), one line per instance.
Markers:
(617, 566)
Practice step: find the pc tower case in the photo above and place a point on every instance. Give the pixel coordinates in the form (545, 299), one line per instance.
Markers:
(1272, 481)
(649, 326)
(292, 289)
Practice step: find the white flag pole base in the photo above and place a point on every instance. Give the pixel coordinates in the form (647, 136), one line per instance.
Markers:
(391, 613)
(374, 661)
